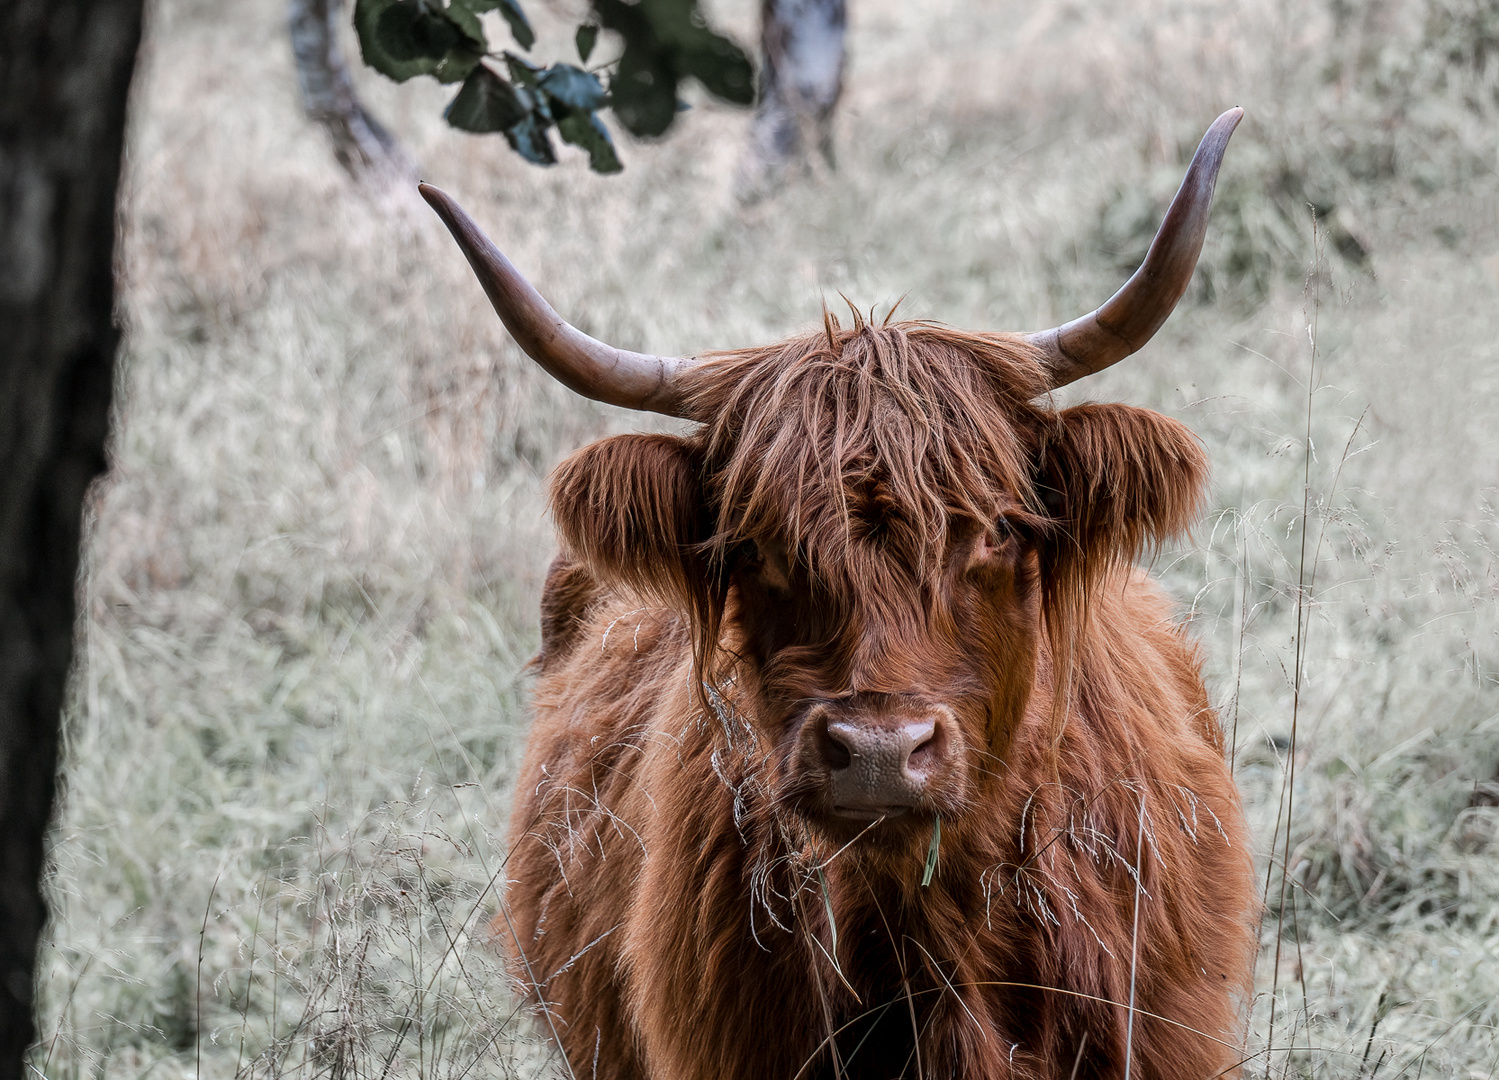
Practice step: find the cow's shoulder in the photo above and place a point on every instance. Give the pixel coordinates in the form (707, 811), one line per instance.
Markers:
(610, 662)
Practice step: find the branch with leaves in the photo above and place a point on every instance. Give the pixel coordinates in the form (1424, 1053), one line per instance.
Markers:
(665, 41)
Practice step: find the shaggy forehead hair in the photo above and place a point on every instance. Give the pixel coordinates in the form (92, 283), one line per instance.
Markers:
(870, 437)
(866, 451)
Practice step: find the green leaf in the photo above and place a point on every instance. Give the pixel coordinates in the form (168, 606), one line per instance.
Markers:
(931, 852)
(723, 69)
(573, 87)
(407, 32)
(721, 66)
(462, 58)
(827, 905)
(404, 38)
(643, 88)
(666, 40)
(529, 139)
(675, 23)
(520, 26)
(587, 131)
(457, 65)
(466, 19)
(643, 92)
(523, 71)
(486, 103)
(374, 43)
(585, 38)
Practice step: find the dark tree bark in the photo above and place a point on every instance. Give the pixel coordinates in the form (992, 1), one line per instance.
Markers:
(65, 68)
(360, 142)
(801, 78)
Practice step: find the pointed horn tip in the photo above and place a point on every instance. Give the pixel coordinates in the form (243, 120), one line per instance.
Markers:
(1209, 158)
(1224, 126)
(447, 208)
(1103, 337)
(464, 228)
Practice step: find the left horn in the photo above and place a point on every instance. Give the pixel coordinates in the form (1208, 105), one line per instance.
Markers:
(1133, 314)
(584, 365)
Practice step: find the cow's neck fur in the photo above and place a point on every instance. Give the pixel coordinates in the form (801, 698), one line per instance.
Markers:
(856, 930)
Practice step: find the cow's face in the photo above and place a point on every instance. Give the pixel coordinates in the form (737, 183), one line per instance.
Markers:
(886, 695)
(881, 543)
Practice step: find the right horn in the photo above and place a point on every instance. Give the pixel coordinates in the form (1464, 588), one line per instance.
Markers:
(1133, 314)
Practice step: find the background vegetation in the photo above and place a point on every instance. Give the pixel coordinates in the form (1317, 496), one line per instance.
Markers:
(313, 574)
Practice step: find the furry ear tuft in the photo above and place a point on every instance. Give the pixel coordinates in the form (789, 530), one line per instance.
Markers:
(631, 509)
(1115, 481)
(1111, 481)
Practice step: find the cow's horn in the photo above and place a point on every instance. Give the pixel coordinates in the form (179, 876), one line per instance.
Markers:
(1133, 314)
(615, 376)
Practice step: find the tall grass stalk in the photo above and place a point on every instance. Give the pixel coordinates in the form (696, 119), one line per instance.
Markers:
(1302, 574)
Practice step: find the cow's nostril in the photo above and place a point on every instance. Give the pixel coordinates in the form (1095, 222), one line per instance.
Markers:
(837, 752)
(921, 738)
(924, 750)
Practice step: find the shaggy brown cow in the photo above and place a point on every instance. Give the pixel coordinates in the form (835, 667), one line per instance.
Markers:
(860, 748)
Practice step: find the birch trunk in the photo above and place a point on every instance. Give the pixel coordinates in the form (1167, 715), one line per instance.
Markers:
(801, 78)
(360, 142)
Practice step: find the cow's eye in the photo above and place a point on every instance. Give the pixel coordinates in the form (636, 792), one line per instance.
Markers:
(995, 543)
(766, 561)
(1006, 533)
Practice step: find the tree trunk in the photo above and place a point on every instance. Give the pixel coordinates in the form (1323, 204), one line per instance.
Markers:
(65, 68)
(801, 78)
(360, 142)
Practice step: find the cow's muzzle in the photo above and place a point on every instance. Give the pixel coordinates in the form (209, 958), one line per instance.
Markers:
(879, 761)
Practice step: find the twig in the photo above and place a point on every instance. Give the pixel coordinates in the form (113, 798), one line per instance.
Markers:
(915, 1028)
(198, 986)
(1078, 1061)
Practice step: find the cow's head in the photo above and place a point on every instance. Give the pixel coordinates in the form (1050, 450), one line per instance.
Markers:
(880, 533)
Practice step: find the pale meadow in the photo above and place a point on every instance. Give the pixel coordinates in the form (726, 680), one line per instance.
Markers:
(313, 570)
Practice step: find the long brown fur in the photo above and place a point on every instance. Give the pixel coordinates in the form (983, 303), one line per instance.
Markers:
(882, 515)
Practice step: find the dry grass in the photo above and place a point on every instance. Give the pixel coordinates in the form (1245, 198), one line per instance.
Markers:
(313, 572)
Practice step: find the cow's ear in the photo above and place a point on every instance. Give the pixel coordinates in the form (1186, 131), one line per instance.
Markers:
(1112, 481)
(631, 509)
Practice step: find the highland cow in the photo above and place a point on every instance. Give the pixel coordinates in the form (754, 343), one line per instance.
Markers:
(862, 749)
